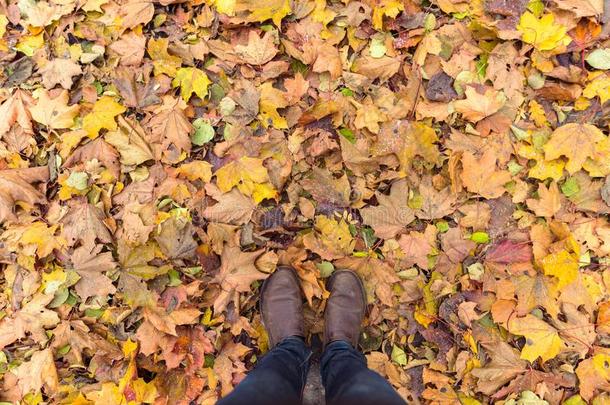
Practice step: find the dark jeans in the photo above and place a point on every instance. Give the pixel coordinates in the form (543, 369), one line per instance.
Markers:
(279, 378)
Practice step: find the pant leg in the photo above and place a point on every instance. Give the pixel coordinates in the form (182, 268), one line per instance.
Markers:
(348, 380)
(278, 378)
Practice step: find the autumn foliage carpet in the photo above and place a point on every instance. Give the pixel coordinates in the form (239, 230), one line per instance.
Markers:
(159, 158)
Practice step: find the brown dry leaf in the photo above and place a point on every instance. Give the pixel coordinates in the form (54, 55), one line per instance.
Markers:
(136, 12)
(296, 88)
(259, 50)
(416, 247)
(480, 174)
(435, 203)
(90, 265)
(477, 106)
(54, 112)
(130, 141)
(504, 366)
(237, 272)
(15, 186)
(392, 215)
(97, 149)
(232, 208)
(16, 126)
(130, 48)
(33, 318)
(85, 223)
(549, 202)
(170, 129)
(60, 71)
(37, 373)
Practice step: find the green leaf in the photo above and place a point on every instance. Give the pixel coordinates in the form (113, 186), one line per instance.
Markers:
(204, 132)
(599, 59)
(347, 134)
(442, 226)
(174, 278)
(326, 268)
(93, 312)
(399, 356)
(479, 237)
(570, 187)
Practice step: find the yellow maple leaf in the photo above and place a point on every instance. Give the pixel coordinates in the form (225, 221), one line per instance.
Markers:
(598, 87)
(163, 62)
(223, 6)
(543, 32)
(541, 339)
(333, 236)
(537, 114)
(43, 236)
(382, 8)
(102, 116)
(272, 99)
(249, 176)
(598, 164)
(191, 80)
(562, 265)
(196, 170)
(263, 10)
(576, 142)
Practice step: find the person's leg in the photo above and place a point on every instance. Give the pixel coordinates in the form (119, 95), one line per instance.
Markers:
(345, 375)
(348, 380)
(278, 378)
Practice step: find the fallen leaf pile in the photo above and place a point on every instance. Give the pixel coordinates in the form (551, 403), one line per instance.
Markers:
(160, 158)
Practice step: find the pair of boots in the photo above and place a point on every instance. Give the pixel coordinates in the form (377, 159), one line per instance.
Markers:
(281, 304)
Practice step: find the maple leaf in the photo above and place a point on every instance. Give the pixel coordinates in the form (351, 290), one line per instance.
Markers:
(15, 186)
(16, 116)
(102, 116)
(137, 12)
(90, 264)
(416, 247)
(191, 80)
(504, 366)
(593, 375)
(582, 8)
(130, 141)
(477, 106)
(96, 149)
(85, 222)
(81, 340)
(130, 48)
(163, 62)
(232, 208)
(377, 275)
(248, 175)
(392, 215)
(543, 32)
(331, 239)
(37, 373)
(60, 71)
(237, 272)
(272, 99)
(541, 339)
(54, 113)
(435, 203)
(407, 140)
(481, 176)
(549, 202)
(171, 129)
(32, 318)
(135, 94)
(259, 50)
(261, 11)
(574, 141)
